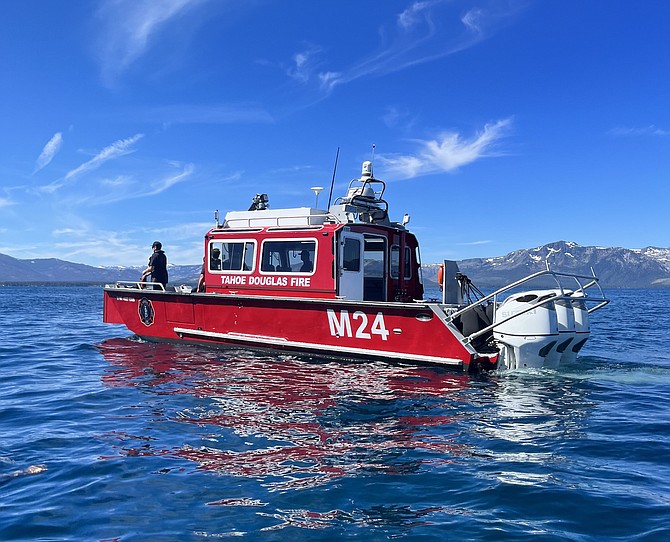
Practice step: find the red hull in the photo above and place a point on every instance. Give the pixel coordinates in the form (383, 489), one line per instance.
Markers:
(328, 327)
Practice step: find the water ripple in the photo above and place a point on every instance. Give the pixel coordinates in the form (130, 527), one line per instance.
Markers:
(109, 437)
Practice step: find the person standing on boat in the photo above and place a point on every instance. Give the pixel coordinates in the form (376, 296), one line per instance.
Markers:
(201, 279)
(157, 267)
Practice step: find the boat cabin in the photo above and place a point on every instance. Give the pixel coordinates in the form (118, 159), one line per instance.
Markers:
(352, 251)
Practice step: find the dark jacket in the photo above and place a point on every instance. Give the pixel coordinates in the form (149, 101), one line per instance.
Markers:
(158, 260)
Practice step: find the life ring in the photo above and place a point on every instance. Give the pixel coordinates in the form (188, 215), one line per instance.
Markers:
(440, 276)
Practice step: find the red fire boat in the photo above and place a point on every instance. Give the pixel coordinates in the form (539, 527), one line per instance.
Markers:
(346, 282)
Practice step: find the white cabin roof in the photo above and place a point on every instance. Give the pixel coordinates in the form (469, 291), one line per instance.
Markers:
(297, 216)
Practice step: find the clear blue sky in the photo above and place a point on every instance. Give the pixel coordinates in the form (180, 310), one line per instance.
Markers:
(498, 124)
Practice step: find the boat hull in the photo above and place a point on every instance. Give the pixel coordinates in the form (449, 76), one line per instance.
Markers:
(404, 332)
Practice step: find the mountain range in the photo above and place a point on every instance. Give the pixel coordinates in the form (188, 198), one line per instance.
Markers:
(52, 270)
(617, 267)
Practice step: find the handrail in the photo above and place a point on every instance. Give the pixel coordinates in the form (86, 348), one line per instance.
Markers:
(580, 293)
(366, 201)
(323, 217)
(138, 284)
(534, 276)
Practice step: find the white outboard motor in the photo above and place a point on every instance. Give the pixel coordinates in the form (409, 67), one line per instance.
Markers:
(582, 327)
(565, 315)
(528, 330)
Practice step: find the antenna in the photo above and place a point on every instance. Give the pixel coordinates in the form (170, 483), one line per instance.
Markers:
(317, 191)
(372, 162)
(332, 182)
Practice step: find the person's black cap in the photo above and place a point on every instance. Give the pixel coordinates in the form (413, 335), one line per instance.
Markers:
(157, 244)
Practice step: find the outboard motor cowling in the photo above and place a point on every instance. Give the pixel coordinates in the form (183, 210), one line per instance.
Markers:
(582, 328)
(566, 329)
(528, 329)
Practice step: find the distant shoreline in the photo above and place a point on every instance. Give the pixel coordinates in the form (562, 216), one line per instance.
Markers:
(51, 283)
(428, 284)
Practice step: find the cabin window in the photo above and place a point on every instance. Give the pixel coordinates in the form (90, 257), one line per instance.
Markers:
(408, 263)
(395, 262)
(290, 256)
(351, 255)
(418, 264)
(231, 256)
(375, 256)
(375, 262)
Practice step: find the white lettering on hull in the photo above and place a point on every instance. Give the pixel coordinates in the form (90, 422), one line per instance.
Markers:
(268, 281)
(340, 325)
(244, 280)
(301, 282)
(233, 280)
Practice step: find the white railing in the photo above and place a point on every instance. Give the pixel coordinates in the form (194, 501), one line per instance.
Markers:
(579, 293)
(138, 285)
(279, 220)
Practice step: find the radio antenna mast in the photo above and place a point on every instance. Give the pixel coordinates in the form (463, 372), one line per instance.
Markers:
(372, 161)
(332, 182)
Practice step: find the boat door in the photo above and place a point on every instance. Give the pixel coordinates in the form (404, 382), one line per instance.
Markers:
(350, 259)
(375, 256)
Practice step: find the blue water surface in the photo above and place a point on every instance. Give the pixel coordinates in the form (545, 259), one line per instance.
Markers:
(106, 437)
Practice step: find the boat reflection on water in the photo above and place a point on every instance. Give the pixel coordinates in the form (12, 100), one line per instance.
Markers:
(537, 418)
(289, 421)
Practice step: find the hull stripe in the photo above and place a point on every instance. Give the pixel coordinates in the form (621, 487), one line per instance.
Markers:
(278, 341)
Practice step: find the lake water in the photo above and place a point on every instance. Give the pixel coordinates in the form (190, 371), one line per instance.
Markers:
(105, 437)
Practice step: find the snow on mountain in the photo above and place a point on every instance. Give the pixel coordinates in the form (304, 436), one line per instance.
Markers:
(617, 267)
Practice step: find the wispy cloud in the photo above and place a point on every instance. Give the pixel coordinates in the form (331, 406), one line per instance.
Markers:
(124, 187)
(119, 148)
(206, 114)
(5, 202)
(475, 243)
(426, 31)
(49, 151)
(117, 248)
(303, 64)
(129, 27)
(475, 20)
(413, 15)
(184, 231)
(394, 116)
(118, 181)
(166, 182)
(650, 130)
(182, 241)
(84, 241)
(448, 152)
(69, 231)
